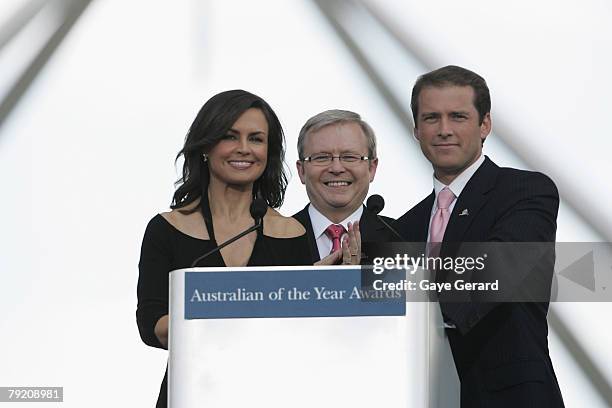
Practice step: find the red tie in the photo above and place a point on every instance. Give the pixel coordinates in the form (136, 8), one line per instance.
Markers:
(334, 232)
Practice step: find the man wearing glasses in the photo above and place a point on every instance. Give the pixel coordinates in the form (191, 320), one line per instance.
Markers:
(337, 162)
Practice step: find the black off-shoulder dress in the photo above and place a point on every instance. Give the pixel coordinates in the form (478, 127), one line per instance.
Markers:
(165, 248)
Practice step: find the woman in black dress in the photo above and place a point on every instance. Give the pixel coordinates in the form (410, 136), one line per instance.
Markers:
(233, 153)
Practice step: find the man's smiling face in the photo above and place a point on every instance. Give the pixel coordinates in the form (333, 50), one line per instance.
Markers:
(448, 129)
(339, 188)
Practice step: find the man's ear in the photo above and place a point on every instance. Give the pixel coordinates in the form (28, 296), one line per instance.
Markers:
(300, 168)
(373, 167)
(485, 127)
(416, 134)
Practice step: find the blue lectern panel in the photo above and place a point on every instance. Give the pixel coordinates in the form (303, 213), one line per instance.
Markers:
(286, 293)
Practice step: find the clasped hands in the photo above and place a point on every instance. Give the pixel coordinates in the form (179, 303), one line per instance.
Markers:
(350, 251)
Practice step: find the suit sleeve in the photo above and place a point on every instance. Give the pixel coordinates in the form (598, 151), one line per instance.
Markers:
(533, 215)
(529, 216)
(154, 266)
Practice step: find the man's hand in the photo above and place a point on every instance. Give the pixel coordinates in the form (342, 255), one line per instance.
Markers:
(350, 252)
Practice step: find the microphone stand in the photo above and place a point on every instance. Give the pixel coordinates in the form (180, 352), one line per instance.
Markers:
(255, 227)
(386, 224)
(375, 204)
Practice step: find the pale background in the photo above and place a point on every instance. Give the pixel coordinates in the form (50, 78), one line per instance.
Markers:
(90, 123)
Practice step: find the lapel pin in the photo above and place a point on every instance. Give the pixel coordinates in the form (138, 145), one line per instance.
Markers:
(464, 212)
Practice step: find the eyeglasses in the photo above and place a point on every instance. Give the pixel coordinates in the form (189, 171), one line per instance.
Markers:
(325, 159)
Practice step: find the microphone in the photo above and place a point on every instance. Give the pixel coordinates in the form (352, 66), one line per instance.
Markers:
(258, 209)
(375, 205)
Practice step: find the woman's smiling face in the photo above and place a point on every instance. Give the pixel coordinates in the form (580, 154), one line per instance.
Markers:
(240, 157)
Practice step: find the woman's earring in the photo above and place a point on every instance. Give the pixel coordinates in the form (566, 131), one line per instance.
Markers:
(204, 157)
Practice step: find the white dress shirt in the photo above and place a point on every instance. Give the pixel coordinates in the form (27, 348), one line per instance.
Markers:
(320, 223)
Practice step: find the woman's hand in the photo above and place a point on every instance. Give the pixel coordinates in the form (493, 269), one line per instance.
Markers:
(161, 331)
(350, 253)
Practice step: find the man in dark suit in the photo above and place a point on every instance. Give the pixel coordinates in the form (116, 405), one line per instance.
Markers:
(500, 349)
(337, 162)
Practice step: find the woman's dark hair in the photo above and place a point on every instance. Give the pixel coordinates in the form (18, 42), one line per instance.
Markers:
(213, 121)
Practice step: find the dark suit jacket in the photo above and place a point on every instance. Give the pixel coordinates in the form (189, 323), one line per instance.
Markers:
(500, 349)
(372, 230)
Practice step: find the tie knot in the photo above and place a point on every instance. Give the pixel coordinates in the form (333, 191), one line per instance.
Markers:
(334, 231)
(445, 198)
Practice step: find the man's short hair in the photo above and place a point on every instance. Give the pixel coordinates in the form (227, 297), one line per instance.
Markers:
(336, 117)
(453, 75)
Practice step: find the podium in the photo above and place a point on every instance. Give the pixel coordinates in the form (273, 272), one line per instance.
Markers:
(302, 337)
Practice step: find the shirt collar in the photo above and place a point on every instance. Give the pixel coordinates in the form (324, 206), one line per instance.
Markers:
(320, 222)
(459, 183)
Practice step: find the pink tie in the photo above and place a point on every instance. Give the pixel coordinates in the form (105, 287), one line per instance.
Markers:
(334, 232)
(440, 219)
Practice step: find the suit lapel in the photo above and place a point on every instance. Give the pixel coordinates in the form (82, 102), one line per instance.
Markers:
(470, 201)
(422, 214)
(369, 226)
(304, 218)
